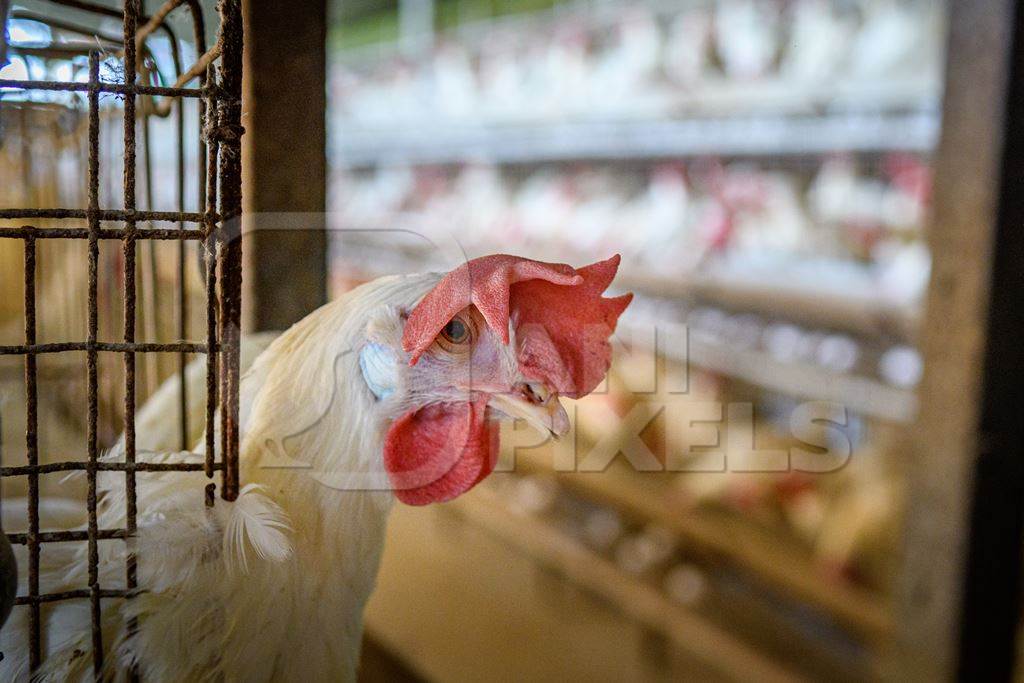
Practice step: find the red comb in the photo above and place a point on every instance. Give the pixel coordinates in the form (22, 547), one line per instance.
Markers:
(563, 322)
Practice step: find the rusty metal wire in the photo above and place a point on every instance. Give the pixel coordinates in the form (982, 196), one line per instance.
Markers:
(177, 235)
(104, 214)
(218, 171)
(77, 465)
(102, 86)
(111, 347)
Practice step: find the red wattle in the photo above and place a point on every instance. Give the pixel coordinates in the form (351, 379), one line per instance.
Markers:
(439, 452)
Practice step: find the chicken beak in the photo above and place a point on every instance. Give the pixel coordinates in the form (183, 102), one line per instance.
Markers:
(537, 405)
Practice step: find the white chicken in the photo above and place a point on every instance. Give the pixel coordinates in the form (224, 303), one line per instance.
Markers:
(391, 391)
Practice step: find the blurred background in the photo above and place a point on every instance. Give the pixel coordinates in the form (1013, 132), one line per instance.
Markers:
(764, 167)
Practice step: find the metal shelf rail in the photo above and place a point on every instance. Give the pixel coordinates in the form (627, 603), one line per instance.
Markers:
(775, 135)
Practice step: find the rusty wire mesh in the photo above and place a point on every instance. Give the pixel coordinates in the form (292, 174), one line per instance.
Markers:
(218, 173)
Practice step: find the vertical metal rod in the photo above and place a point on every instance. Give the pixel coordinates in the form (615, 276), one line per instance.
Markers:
(132, 9)
(229, 132)
(208, 245)
(31, 408)
(32, 448)
(94, 254)
(150, 281)
(179, 113)
(210, 248)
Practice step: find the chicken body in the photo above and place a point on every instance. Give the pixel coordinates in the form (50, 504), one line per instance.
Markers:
(273, 585)
(390, 391)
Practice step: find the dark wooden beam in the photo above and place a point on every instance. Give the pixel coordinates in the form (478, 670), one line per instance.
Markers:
(956, 606)
(992, 589)
(285, 163)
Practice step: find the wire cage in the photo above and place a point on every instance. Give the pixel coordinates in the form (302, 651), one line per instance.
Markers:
(215, 227)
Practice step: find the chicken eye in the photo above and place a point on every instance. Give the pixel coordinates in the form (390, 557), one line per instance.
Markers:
(456, 331)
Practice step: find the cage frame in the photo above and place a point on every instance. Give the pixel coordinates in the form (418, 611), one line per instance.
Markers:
(216, 227)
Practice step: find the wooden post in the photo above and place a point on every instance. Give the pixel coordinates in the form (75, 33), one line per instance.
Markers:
(957, 591)
(285, 162)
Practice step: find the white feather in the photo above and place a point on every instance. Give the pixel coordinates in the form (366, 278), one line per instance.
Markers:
(255, 522)
(173, 548)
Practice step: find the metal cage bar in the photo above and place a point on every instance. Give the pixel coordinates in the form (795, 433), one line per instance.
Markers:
(132, 10)
(228, 133)
(112, 347)
(218, 171)
(173, 234)
(32, 447)
(91, 358)
(211, 282)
